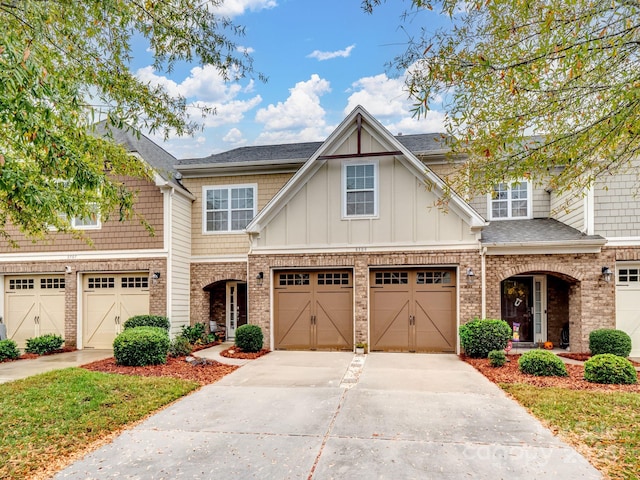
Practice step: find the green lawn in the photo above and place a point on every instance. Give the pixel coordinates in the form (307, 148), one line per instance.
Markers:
(604, 426)
(53, 415)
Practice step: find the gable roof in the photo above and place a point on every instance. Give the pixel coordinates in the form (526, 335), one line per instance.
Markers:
(394, 145)
(161, 161)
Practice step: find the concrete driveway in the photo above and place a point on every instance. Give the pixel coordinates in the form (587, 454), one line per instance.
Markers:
(317, 415)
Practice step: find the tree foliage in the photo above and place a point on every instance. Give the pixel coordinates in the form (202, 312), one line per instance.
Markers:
(64, 64)
(567, 71)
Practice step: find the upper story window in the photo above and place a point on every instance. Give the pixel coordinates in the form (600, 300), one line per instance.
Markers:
(360, 189)
(91, 222)
(510, 200)
(228, 208)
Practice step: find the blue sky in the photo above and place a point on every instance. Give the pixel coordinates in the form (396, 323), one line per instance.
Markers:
(322, 58)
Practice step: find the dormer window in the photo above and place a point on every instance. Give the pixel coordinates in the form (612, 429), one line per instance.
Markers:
(510, 200)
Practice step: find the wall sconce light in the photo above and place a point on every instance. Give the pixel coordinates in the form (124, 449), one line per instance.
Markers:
(260, 278)
(156, 276)
(67, 269)
(606, 274)
(470, 276)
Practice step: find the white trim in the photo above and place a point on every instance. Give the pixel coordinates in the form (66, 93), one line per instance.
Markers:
(376, 188)
(623, 241)
(219, 259)
(228, 188)
(350, 249)
(509, 216)
(75, 255)
(544, 328)
(534, 248)
(589, 212)
(168, 245)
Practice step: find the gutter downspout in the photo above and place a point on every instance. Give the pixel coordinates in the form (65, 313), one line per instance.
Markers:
(483, 259)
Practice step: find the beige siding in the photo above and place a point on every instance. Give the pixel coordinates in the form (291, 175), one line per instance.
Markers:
(569, 208)
(313, 218)
(539, 197)
(113, 235)
(227, 244)
(617, 205)
(179, 257)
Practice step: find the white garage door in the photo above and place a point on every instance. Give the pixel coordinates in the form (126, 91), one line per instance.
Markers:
(628, 303)
(34, 306)
(109, 300)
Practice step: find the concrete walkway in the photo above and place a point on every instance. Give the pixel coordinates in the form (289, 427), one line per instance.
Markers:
(327, 415)
(19, 369)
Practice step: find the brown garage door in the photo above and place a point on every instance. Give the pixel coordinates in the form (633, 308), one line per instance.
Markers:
(313, 310)
(413, 310)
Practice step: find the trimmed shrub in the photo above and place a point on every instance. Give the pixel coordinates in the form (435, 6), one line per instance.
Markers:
(44, 344)
(497, 358)
(196, 333)
(610, 368)
(140, 346)
(542, 363)
(249, 338)
(147, 321)
(609, 340)
(180, 347)
(479, 337)
(8, 350)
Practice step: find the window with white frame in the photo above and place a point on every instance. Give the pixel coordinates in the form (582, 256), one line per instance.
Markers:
(510, 200)
(228, 208)
(360, 189)
(89, 222)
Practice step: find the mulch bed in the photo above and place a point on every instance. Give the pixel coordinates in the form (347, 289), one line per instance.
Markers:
(509, 373)
(235, 352)
(584, 356)
(177, 367)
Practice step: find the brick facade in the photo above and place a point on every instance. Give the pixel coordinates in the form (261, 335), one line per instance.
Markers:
(206, 274)
(360, 264)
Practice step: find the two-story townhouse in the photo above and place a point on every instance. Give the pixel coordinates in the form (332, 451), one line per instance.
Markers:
(326, 244)
(84, 292)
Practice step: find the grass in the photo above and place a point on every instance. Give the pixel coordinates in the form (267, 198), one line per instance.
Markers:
(54, 415)
(603, 426)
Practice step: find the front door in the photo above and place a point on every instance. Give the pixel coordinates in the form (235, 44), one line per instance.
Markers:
(236, 307)
(523, 301)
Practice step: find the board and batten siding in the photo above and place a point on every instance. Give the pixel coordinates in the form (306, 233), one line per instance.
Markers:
(407, 215)
(180, 256)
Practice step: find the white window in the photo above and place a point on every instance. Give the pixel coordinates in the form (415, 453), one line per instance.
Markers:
(91, 222)
(510, 200)
(228, 208)
(360, 189)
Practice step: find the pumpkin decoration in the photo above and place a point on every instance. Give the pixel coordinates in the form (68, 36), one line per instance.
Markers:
(548, 345)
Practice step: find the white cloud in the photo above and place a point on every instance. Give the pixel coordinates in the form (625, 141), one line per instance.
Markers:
(329, 55)
(234, 8)
(234, 137)
(301, 111)
(386, 99)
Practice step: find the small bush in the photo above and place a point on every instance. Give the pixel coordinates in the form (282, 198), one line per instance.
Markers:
(497, 358)
(147, 321)
(195, 333)
(44, 344)
(141, 346)
(249, 338)
(479, 337)
(8, 350)
(610, 368)
(180, 347)
(542, 363)
(608, 340)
